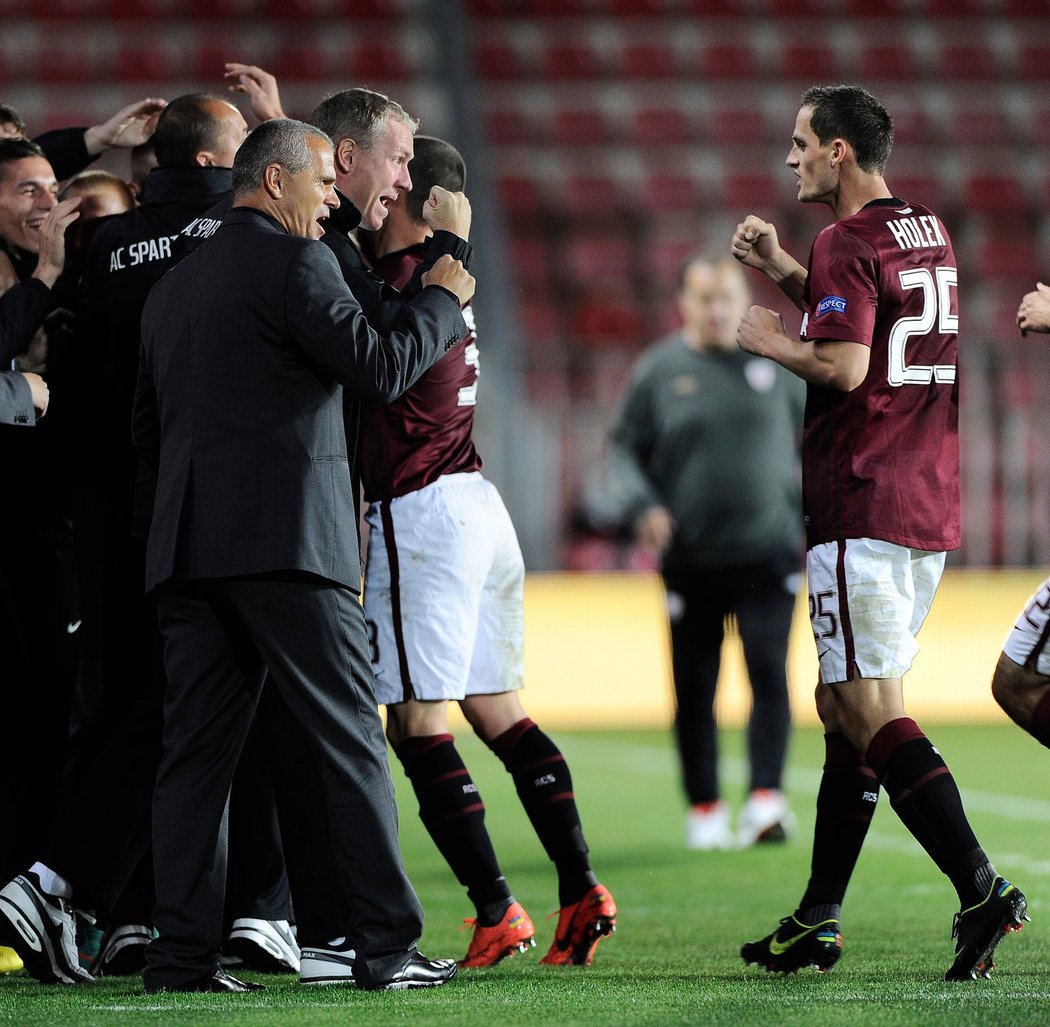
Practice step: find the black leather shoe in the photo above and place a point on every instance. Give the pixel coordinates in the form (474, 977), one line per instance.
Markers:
(220, 981)
(417, 972)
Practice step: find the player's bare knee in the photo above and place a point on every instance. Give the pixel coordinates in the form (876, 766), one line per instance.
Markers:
(491, 715)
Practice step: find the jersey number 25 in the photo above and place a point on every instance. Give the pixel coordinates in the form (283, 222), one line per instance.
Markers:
(936, 310)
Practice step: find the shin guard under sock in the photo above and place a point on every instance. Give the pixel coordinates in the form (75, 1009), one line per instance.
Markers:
(453, 813)
(849, 791)
(544, 786)
(925, 796)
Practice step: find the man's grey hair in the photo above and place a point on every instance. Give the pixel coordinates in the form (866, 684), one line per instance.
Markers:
(359, 114)
(279, 141)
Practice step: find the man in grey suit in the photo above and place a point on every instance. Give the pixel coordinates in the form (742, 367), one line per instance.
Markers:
(247, 346)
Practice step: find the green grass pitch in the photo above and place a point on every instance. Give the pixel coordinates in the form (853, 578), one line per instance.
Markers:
(674, 958)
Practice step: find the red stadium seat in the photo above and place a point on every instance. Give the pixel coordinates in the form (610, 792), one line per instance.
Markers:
(718, 8)
(876, 8)
(727, 61)
(955, 8)
(521, 197)
(301, 62)
(510, 126)
(227, 8)
(295, 10)
(737, 125)
(637, 8)
(1027, 8)
(664, 258)
(605, 316)
(569, 61)
(531, 260)
(995, 195)
(597, 257)
(1014, 258)
(969, 61)
(814, 62)
(647, 61)
(497, 60)
(121, 9)
(145, 64)
(591, 197)
(68, 59)
(555, 8)
(541, 321)
(372, 61)
(495, 8)
(66, 9)
(924, 189)
(1033, 62)
(579, 127)
(670, 193)
(911, 123)
(797, 9)
(890, 61)
(1037, 121)
(660, 126)
(970, 126)
(757, 192)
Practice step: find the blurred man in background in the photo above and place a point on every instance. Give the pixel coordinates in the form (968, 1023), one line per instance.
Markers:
(704, 465)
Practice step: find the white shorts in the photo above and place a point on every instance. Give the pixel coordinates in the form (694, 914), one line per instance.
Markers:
(444, 593)
(867, 601)
(1027, 643)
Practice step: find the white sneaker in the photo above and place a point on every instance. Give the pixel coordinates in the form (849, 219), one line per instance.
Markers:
(267, 946)
(764, 818)
(40, 928)
(708, 830)
(327, 966)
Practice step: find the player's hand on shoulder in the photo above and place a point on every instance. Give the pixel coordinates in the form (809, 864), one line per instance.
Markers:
(448, 212)
(755, 242)
(450, 274)
(755, 325)
(1033, 315)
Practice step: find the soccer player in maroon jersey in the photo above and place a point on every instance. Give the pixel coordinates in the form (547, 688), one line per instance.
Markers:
(444, 605)
(1021, 682)
(877, 350)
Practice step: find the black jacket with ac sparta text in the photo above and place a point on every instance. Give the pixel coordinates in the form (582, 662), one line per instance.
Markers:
(128, 254)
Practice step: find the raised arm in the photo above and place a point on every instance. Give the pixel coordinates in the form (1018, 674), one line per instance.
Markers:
(755, 244)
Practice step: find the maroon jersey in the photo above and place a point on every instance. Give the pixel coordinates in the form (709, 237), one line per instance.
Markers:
(426, 432)
(883, 461)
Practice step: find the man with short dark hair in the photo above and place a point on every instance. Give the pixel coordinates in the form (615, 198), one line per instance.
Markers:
(880, 462)
(39, 612)
(121, 682)
(441, 538)
(250, 561)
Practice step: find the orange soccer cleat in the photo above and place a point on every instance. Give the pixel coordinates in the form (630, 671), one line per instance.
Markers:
(580, 927)
(514, 933)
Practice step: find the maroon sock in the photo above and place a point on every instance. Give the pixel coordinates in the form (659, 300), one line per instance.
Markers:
(846, 802)
(544, 785)
(924, 795)
(454, 815)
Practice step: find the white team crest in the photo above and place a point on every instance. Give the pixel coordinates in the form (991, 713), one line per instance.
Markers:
(685, 385)
(760, 374)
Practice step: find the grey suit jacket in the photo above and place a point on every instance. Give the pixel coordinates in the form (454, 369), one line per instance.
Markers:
(247, 345)
(16, 399)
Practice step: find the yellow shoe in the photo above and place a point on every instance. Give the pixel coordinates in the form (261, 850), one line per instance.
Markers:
(9, 960)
